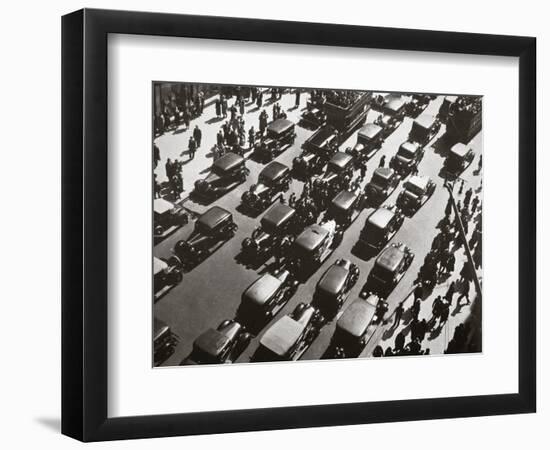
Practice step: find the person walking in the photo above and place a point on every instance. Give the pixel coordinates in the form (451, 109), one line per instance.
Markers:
(251, 137)
(197, 134)
(398, 313)
(218, 108)
(297, 102)
(464, 292)
(382, 161)
(192, 147)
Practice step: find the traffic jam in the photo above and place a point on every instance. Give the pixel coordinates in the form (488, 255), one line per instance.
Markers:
(307, 224)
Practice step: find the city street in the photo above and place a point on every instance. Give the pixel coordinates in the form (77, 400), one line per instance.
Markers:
(211, 292)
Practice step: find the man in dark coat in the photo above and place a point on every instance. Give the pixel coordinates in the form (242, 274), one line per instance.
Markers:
(218, 108)
(197, 134)
(297, 102)
(192, 147)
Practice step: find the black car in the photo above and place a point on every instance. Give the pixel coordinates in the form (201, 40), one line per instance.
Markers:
(345, 207)
(166, 275)
(334, 286)
(418, 103)
(265, 297)
(317, 150)
(219, 346)
(417, 190)
(380, 227)
(277, 223)
(272, 180)
(424, 128)
(338, 173)
(459, 158)
(369, 141)
(227, 172)
(389, 268)
(213, 228)
(383, 182)
(314, 117)
(407, 158)
(290, 336)
(164, 342)
(313, 246)
(279, 134)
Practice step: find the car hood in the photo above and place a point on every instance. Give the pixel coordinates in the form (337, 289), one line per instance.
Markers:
(258, 189)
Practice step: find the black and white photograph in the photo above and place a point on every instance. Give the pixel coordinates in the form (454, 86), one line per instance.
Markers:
(306, 224)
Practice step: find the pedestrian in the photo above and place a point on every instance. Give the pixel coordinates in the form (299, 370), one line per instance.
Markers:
(297, 102)
(475, 204)
(224, 108)
(218, 108)
(197, 134)
(461, 188)
(418, 291)
(464, 292)
(219, 138)
(382, 161)
(479, 164)
(156, 155)
(388, 352)
(450, 292)
(168, 167)
(415, 308)
(363, 169)
(378, 351)
(192, 147)
(398, 313)
(156, 186)
(381, 310)
(241, 107)
(251, 136)
(399, 342)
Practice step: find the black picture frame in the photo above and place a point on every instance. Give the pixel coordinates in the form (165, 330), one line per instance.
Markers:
(84, 224)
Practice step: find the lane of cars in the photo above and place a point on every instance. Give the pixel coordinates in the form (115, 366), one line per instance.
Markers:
(302, 253)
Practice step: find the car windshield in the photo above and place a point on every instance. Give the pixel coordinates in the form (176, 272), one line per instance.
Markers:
(406, 152)
(411, 187)
(382, 273)
(218, 171)
(265, 180)
(373, 232)
(379, 180)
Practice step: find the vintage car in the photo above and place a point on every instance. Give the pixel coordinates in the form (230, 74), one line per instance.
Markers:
(389, 268)
(352, 326)
(407, 158)
(334, 286)
(423, 129)
(213, 228)
(226, 173)
(446, 108)
(345, 207)
(166, 275)
(167, 217)
(338, 173)
(317, 150)
(314, 116)
(383, 182)
(290, 336)
(313, 246)
(164, 342)
(272, 180)
(279, 221)
(418, 103)
(417, 190)
(380, 227)
(369, 140)
(279, 134)
(460, 156)
(265, 297)
(222, 345)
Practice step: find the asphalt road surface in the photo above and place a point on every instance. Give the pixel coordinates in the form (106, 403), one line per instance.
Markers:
(211, 292)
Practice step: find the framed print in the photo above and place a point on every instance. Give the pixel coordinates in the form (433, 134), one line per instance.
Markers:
(276, 225)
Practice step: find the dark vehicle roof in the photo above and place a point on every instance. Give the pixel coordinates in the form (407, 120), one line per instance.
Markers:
(370, 130)
(381, 217)
(340, 159)
(390, 258)
(459, 150)
(261, 290)
(213, 217)
(356, 318)
(333, 280)
(425, 121)
(311, 237)
(160, 328)
(277, 215)
(228, 161)
(274, 170)
(344, 200)
(212, 342)
(384, 172)
(280, 126)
